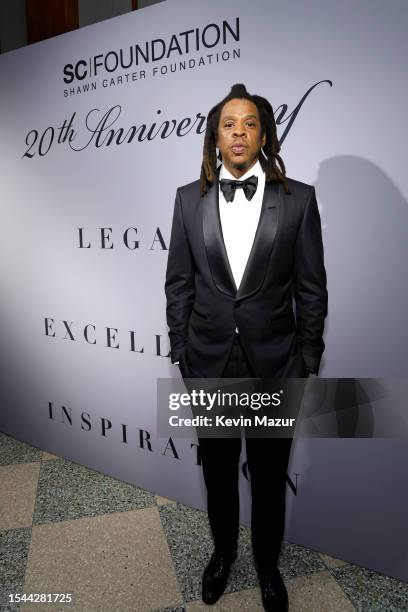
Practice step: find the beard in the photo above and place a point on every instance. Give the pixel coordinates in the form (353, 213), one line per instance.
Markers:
(240, 165)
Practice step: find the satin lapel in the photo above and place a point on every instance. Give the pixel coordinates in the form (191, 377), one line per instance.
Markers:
(259, 256)
(214, 241)
(258, 259)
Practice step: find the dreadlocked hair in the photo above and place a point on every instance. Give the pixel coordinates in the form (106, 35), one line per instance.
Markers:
(270, 158)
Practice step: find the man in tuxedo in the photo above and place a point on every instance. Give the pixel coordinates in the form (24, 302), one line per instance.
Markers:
(246, 297)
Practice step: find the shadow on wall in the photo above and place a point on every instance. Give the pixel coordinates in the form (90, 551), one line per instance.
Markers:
(365, 229)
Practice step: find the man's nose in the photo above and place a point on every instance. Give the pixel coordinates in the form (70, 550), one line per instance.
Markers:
(239, 131)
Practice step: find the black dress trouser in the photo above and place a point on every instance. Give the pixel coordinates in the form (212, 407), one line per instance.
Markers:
(267, 464)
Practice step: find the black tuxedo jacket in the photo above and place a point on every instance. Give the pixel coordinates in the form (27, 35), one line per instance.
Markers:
(279, 307)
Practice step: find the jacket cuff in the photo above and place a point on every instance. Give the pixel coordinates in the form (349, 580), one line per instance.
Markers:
(312, 363)
(175, 355)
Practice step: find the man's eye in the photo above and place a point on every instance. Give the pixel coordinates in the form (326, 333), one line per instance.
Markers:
(250, 123)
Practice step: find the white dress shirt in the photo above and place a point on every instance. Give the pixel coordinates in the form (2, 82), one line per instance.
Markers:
(239, 220)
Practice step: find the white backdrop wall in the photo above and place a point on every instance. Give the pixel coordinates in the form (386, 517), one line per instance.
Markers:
(86, 224)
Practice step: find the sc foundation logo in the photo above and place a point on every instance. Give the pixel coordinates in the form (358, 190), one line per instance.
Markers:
(174, 46)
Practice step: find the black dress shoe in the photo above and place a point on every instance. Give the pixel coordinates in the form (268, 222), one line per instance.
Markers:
(274, 593)
(215, 576)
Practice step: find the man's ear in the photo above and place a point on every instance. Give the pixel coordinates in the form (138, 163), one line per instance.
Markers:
(263, 140)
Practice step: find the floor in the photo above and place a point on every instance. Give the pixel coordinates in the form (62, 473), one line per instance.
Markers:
(67, 529)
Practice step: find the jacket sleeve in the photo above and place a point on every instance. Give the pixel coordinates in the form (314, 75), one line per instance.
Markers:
(179, 284)
(310, 285)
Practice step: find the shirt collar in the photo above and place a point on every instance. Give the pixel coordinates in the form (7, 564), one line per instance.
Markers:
(256, 170)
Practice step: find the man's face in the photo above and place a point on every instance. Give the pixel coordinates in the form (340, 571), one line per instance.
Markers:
(239, 136)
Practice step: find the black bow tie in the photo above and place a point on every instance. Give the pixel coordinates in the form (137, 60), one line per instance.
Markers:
(249, 186)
